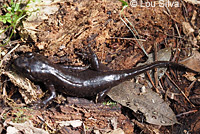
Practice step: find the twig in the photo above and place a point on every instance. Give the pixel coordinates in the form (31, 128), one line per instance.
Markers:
(173, 36)
(186, 11)
(46, 123)
(179, 89)
(188, 89)
(156, 70)
(4, 58)
(192, 111)
(125, 5)
(169, 14)
(127, 38)
(150, 79)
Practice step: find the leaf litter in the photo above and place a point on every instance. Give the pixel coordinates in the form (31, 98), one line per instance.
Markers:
(63, 32)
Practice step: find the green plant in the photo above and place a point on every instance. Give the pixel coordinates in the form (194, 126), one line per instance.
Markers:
(14, 14)
(18, 115)
(109, 103)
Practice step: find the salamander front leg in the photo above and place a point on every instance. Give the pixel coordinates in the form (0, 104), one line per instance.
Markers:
(41, 103)
(52, 94)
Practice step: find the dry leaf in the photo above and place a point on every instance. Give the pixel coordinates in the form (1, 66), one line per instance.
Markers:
(39, 12)
(74, 123)
(163, 55)
(155, 109)
(187, 28)
(25, 128)
(193, 1)
(28, 90)
(192, 62)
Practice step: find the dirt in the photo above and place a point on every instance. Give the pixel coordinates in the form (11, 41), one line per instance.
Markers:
(78, 23)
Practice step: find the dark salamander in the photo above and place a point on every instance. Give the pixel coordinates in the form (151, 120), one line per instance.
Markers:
(79, 81)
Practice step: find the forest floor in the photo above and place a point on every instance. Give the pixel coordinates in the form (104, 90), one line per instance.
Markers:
(61, 30)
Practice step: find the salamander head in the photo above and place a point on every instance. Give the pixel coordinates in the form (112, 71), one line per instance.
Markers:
(22, 64)
(29, 64)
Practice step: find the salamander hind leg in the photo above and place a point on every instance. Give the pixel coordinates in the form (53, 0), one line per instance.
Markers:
(100, 96)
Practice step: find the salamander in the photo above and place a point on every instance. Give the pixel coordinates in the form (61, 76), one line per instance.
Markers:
(78, 81)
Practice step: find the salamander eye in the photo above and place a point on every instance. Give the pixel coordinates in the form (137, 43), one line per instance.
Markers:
(28, 70)
(29, 54)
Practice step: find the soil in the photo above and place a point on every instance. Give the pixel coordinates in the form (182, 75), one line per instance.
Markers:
(79, 23)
